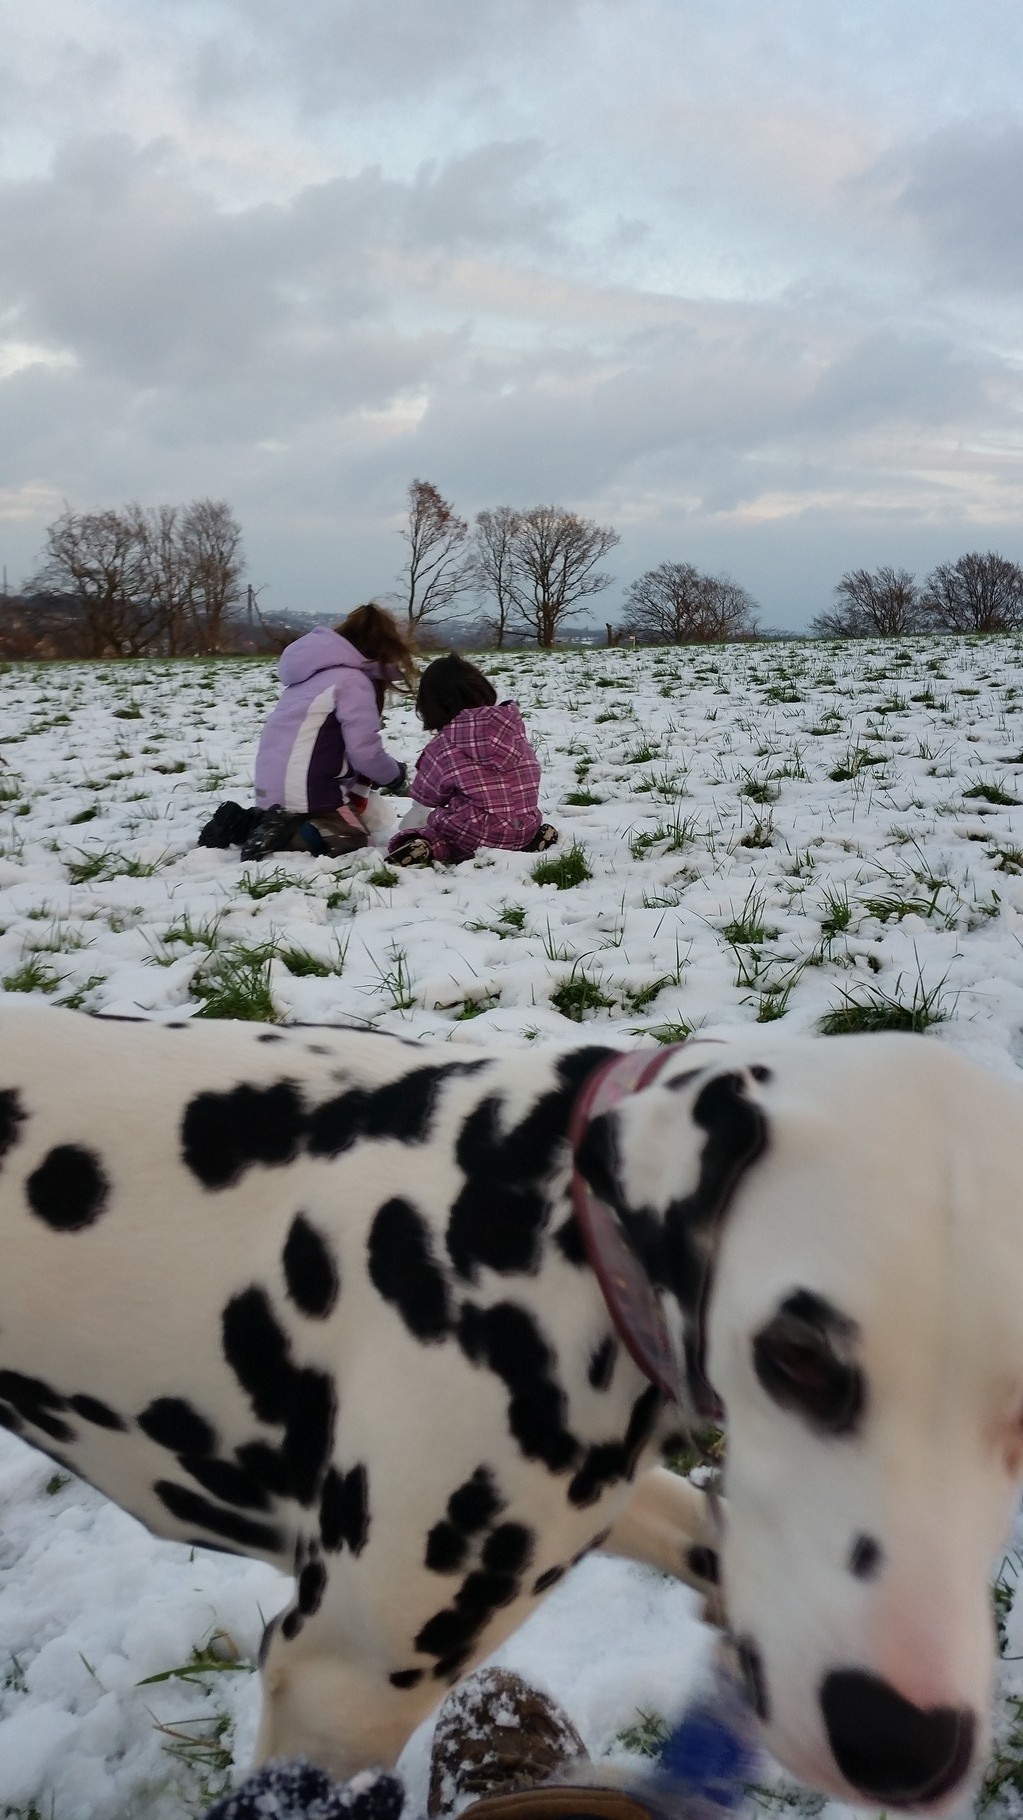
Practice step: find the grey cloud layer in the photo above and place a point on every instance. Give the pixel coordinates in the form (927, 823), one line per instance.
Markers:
(520, 300)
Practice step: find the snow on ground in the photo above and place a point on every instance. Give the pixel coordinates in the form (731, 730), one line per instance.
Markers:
(787, 831)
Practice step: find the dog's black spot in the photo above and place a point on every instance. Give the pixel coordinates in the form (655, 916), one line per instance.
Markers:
(449, 1668)
(506, 1339)
(69, 1189)
(866, 1558)
(228, 1482)
(548, 1578)
(172, 1423)
(270, 1036)
(606, 1462)
(402, 1109)
(476, 1503)
(230, 1525)
(406, 1677)
(344, 1509)
(91, 1409)
(446, 1549)
(760, 1073)
(267, 1466)
(12, 1117)
(223, 1134)
(447, 1631)
(266, 1639)
(312, 1583)
(256, 1348)
(570, 1242)
(405, 1272)
(292, 1623)
(484, 1593)
(751, 1664)
(602, 1363)
(309, 1269)
(309, 1431)
(37, 1403)
(301, 1400)
(703, 1562)
(508, 1549)
(10, 1419)
(497, 1218)
(680, 1081)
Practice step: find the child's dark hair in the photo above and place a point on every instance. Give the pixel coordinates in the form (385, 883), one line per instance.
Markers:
(376, 635)
(447, 686)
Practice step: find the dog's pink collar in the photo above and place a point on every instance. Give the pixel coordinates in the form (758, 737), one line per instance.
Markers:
(630, 1296)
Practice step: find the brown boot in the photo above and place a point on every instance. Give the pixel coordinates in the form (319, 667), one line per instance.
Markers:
(495, 1734)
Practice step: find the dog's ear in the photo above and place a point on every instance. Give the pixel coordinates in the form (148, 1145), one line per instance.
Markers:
(668, 1159)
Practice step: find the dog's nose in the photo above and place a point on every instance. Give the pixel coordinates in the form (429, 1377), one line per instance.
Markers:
(889, 1749)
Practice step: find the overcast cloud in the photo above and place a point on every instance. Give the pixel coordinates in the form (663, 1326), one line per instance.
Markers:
(743, 281)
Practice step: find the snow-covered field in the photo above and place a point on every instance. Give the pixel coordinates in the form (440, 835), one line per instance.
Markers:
(829, 836)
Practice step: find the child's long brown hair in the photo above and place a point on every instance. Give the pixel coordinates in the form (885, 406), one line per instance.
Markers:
(375, 633)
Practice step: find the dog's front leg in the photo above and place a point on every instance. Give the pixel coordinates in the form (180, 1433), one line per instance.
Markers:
(668, 1524)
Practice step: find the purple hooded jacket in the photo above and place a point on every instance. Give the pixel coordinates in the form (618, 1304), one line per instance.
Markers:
(324, 733)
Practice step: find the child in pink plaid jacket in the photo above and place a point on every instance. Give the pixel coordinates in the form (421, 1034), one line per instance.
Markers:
(478, 778)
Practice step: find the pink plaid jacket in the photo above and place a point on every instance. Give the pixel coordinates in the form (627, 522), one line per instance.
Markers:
(480, 779)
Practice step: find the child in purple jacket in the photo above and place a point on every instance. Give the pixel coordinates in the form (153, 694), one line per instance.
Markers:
(321, 749)
(478, 778)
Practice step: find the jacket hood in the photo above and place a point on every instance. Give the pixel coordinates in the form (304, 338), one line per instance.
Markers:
(492, 736)
(323, 649)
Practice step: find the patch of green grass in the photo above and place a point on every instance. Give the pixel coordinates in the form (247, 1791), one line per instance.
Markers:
(647, 1736)
(677, 1032)
(267, 884)
(749, 927)
(580, 993)
(992, 793)
(568, 869)
(637, 998)
(760, 835)
(758, 789)
(202, 934)
(1010, 859)
(32, 976)
(837, 912)
(384, 877)
(892, 908)
(865, 1012)
(73, 1001)
(100, 868)
(235, 983)
(581, 799)
(84, 815)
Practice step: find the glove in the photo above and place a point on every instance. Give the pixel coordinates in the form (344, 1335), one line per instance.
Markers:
(400, 785)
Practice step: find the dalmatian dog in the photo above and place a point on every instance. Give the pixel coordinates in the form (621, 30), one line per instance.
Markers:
(410, 1324)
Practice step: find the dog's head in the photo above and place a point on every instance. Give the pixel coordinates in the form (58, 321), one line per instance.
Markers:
(839, 1221)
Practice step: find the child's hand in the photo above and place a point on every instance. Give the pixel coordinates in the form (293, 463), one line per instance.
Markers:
(399, 786)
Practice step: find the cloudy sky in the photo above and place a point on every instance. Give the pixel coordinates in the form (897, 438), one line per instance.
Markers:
(741, 279)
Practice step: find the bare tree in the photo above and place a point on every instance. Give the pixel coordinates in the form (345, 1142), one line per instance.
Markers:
(94, 558)
(493, 565)
(211, 550)
(145, 578)
(675, 604)
(872, 603)
(978, 593)
(553, 568)
(437, 570)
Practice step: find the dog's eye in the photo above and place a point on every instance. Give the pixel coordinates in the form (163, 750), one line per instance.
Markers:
(800, 1369)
